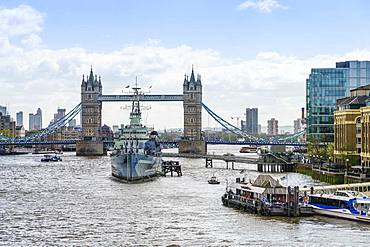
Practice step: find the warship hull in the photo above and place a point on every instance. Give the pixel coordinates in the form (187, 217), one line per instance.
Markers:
(135, 167)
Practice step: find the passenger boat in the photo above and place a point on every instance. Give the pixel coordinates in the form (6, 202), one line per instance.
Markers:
(350, 205)
(213, 180)
(137, 154)
(51, 158)
(250, 149)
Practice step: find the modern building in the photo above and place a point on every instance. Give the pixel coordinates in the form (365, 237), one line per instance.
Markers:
(352, 129)
(72, 123)
(323, 87)
(272, 127)
(297, 125)
(60, 114)
(3, 110)
(243, 125)
(35, 120)
(19, 118)
(259, 129)
(7, 126)
(251, 120)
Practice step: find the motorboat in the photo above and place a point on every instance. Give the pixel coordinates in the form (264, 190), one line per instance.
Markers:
(213, 180)
(51, 158)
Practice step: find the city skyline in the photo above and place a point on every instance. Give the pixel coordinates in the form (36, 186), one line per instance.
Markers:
(45, 54)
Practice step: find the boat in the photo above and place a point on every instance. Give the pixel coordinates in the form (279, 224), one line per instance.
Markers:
(51, 158)
(11, 152)
(136, 154)
(250, 149)
(351, 205)
(213, 180)
(38, 151)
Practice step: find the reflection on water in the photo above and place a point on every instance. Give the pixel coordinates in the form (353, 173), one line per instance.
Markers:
(76, 202)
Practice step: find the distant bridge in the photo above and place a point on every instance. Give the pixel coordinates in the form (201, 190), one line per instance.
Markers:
(67, 142)
(257, 143)
(29, 143)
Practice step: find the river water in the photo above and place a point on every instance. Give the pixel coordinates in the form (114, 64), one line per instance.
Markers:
(76, 202)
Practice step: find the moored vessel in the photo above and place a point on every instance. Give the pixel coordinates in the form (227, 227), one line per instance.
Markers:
(137, 153)
(351, 205)
(250, 149)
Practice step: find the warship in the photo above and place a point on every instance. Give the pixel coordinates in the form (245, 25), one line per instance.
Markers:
(137, 153)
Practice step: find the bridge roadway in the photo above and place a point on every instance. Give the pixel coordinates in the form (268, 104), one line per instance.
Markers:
(227, 158)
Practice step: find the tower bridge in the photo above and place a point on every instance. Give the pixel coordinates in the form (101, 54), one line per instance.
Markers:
(90, 107)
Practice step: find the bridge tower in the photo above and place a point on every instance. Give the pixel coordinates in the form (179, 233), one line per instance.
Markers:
(192, 94)
(91, 142)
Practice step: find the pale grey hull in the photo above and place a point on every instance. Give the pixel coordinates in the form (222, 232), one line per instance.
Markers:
(134, 166)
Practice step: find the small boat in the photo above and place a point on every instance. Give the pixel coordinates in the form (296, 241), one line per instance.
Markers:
(213, 180)
(48, 158)
(251, 149)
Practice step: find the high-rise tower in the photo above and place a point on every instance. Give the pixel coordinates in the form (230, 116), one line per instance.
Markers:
(91, 143)
(192, 93)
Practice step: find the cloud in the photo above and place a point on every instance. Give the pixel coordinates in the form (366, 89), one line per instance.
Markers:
(21, 20)
(50, 78)
(265, 6)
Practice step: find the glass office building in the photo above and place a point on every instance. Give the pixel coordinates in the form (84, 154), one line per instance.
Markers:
(251, 123)
(323, 88)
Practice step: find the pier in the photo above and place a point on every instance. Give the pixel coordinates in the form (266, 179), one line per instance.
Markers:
(210, 157)
(229, 158)
(271, 163)
(265, 196)
(171, 167)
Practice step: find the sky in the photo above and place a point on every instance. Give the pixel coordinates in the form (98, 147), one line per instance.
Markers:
(250, 53)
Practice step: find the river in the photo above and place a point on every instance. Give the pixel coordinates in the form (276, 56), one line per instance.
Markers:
(76, 202)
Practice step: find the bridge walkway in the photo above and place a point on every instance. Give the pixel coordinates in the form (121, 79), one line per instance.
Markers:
(227, 158)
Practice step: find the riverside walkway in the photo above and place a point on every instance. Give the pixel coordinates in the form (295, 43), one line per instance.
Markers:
(361, 187)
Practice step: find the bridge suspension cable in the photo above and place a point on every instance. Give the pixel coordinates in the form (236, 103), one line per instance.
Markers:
(229, 126)
(243, 134)
(52, 128)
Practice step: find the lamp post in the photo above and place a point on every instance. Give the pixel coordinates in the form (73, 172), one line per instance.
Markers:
(362, 167)
(347, 160)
